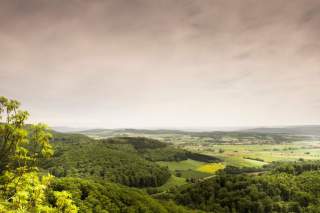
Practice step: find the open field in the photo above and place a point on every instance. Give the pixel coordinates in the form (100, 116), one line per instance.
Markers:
(192, 169)
(186, 168)
(211, 168)
(240, 155)
(257, 155)
(181, 165)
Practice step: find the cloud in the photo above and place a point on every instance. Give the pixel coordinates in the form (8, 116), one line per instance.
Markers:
(138, 63)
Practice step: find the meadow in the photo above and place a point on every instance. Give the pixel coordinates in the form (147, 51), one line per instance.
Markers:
(253, 155)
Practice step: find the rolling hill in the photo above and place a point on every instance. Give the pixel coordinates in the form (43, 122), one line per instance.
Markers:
(310, 130)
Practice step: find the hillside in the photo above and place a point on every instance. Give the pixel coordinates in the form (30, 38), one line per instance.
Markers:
(79, 156)
(155, 150)
(126, 160)
(290, 187)
(103, 197)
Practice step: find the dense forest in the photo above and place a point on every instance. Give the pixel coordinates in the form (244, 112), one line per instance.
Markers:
(104, 196)
(289, 187)
(100, 160)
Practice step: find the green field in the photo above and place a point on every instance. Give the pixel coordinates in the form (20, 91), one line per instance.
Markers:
(211, 168)
(192, 169)
(259, 155)
(181, 165)
(249, 155)
(239, 155)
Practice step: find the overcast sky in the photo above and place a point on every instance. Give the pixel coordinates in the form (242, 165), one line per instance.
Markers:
(162, 63)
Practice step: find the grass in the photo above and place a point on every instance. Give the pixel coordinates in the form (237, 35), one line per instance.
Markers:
(191, 168)
(183, 170)
(238, 154)
(255, 163)
(181, 165)
(211, 168)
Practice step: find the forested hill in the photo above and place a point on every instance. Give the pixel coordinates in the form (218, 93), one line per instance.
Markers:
(125, 160)
(79, 156)
(155, 150)
(103, 197)
(290, 187)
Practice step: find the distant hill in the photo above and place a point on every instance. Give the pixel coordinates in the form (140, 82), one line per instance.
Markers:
(293, 130)
(172, 136)
(111, 132)
(67, 129)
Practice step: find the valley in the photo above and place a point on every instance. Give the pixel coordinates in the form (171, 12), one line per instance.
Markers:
(242, 149)
(163, 171)
(250, 151)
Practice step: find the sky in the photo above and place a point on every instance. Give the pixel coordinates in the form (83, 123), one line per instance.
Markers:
(162, 63)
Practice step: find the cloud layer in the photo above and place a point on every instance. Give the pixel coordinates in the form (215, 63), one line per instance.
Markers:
(169, 63)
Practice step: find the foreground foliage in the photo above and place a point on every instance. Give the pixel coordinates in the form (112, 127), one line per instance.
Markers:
(21, 187)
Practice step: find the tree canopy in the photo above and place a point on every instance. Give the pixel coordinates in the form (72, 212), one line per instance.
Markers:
(22, 188)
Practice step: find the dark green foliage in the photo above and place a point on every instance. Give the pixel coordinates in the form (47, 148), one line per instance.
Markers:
(100, 160)
(165, 154)
(155, 150)
(278, 191)
(151, 149)
(202, 158)
(139, 143)
(236, 170)
(99, 197)
(70, 137)
(297, 167)
(173, 154)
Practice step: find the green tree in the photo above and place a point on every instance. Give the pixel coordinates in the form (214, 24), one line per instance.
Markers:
(22, 189)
